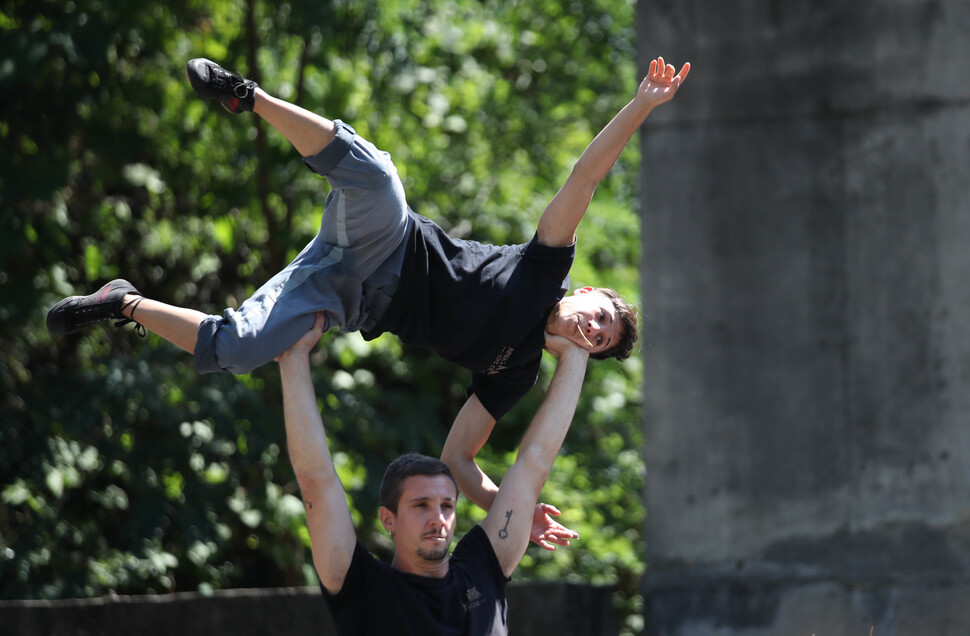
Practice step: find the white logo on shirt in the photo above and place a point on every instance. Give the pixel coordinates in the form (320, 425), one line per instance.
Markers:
(474, 598)
(501, 362)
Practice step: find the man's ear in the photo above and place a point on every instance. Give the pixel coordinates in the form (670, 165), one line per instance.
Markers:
(583, 290)
(387, 519)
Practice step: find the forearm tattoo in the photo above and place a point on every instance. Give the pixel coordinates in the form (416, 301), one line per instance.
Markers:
(504, 532)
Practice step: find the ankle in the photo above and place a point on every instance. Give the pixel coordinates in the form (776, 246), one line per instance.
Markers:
(261, 99)
(129, 303)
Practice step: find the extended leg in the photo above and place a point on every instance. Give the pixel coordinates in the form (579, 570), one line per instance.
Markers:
(178, 325)
(118, 300)
(308, 132)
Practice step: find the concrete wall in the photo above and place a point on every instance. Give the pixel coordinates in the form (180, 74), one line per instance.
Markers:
(534, 609)
(806, 285)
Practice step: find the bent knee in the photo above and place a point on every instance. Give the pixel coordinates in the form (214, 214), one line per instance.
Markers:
(242, 354)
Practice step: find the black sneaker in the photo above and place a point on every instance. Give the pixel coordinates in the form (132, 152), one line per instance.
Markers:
(76, 312)
(211, 81)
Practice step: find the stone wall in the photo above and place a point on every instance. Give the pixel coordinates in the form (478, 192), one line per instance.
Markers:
(806, 291)
(534, 609)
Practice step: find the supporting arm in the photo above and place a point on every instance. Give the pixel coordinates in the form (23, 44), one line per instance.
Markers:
(328, 516)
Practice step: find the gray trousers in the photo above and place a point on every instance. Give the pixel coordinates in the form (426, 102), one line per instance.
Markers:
(349, 271)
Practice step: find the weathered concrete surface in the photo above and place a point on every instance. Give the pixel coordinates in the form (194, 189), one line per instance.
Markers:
(754, 607)
(806, 285)
(534, 608)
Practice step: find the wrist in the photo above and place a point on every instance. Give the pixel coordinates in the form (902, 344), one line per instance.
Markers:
(575, 352)
(643, 104)
(292, 357)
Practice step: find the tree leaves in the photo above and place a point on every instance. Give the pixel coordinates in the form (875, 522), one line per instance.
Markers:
(121, 469)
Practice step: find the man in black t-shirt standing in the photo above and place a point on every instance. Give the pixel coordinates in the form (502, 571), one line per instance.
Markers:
(424, 590)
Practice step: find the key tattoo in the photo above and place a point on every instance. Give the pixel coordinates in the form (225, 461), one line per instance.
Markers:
(504, 532)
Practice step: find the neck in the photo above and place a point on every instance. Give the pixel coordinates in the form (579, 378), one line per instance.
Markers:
(422, 567)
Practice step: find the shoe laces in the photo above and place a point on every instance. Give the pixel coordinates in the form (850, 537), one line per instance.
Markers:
(242, 89)
(139, 328)
(89, 314)
(237, 84)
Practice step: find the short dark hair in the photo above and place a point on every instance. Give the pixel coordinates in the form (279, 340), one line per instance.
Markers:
(629, 333)
(408, 465)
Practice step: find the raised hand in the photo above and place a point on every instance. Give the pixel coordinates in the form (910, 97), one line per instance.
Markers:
(306, 343)
(547, 531)
(558, 345)
(660, 85)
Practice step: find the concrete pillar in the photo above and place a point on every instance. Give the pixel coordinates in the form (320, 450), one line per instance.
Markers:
(805, 203)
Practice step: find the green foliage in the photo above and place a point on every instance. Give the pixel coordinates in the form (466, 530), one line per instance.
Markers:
(121, 469)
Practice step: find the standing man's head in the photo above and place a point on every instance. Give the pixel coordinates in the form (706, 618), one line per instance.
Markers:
(418, 499)
(598, 320)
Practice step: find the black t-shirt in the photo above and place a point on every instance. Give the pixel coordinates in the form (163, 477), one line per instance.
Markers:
(469, 601)
(481, 306)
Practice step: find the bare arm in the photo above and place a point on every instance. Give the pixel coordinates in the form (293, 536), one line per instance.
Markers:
(509, 521)
(468, 434)
(328, 517)
(557, 226)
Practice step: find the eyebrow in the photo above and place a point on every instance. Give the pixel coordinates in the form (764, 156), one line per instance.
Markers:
(417, 499)
(609, 339)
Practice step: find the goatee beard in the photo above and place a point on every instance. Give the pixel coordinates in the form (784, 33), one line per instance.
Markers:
(433, 555)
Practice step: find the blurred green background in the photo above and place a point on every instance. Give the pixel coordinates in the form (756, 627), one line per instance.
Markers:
(121, 469)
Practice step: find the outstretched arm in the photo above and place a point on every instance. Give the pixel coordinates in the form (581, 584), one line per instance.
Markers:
(328, 517)
(557, 226)
(509, 521)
